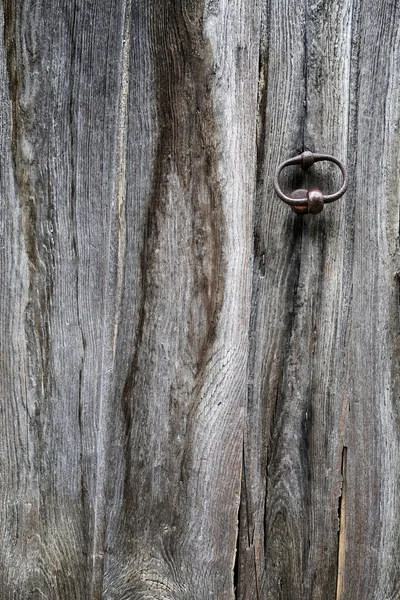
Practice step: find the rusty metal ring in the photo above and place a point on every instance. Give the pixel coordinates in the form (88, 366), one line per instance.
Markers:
(311, 201)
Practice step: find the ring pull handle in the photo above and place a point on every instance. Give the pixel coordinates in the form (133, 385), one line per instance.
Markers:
(309, 201)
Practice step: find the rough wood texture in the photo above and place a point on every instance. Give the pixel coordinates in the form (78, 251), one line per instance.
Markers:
(319, 514)
(177, 348)
(127, 184)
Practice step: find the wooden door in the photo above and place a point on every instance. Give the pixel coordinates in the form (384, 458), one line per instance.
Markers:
(199, 388)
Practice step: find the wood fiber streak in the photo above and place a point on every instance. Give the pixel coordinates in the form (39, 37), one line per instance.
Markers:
(324, 348)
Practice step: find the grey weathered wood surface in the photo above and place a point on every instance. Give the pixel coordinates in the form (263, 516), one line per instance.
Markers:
(320, 512)
(199, 389)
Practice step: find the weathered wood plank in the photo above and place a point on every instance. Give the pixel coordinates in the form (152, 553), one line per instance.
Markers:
(323, 369)
(181, 393)
(129, 141)
(64, 66)
(276, 262)
(371, 568)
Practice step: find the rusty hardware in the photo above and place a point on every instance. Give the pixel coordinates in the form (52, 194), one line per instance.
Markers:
(309, 201)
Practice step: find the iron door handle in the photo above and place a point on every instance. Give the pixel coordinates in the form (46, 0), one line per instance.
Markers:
(309, 201)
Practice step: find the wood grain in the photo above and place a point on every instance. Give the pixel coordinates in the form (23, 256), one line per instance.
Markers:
(129, 148)
(198, 388)
(319, 512)
(64, 68)
(181, 392)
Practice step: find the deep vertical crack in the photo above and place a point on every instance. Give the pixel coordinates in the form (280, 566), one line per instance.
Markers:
(342, 528)
(237, 547)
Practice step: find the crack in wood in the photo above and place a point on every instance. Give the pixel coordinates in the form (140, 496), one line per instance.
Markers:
(342, 528)
(238, 528)
(245, 543)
